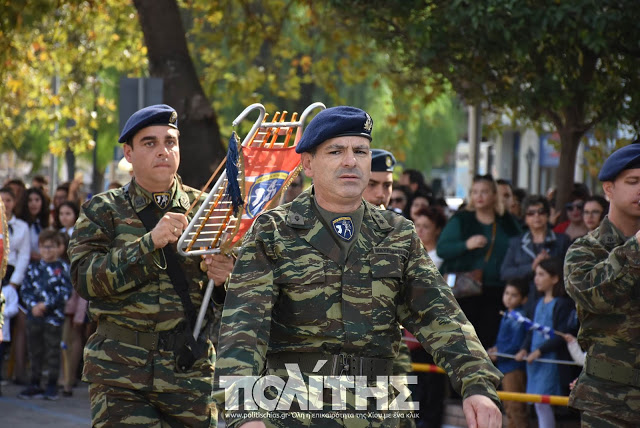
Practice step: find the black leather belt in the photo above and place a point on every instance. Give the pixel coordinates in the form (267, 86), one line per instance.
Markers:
(151, 341)
(335, 365)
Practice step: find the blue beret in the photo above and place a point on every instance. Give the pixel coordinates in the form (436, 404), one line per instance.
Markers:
(159, 114)
(382, 161)
(627, 157)
(335, 122)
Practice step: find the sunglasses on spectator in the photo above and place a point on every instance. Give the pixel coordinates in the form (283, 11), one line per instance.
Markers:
(539, 211)
(571, 207)
(397, 200)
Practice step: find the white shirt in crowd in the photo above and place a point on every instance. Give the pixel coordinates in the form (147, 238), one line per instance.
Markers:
(434, 258)
(19, 249)
(10, 310)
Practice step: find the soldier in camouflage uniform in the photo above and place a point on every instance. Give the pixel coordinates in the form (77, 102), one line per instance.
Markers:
(378, 193)
(136, 362)
(602, 276)
(329, 277)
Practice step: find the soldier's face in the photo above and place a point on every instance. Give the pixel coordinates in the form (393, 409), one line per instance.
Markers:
(378, 191)
(154, 156)
(340, 169)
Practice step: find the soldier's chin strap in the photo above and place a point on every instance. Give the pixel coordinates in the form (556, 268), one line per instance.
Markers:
(187, 350)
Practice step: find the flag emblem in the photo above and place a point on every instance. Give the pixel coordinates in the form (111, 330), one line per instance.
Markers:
(263, 190)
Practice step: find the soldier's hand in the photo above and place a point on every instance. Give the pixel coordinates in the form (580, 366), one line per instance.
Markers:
(219, 267)
(481, 412)
(168, 229)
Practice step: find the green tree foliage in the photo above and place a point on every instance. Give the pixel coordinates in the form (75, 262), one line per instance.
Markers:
(56, 85)
(566, 66)
(284, 54)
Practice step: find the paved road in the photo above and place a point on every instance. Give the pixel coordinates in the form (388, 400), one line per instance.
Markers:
(66, 412)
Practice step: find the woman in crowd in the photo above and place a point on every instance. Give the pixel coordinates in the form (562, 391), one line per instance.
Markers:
(571, 221)
(539, 242)
(429, 223)
(477, 238)
(420, 200)
(66, 215)
(400, 200)
(595, 208)
(35, 211)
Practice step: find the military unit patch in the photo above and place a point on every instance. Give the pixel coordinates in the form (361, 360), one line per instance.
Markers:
(343, 226)
(161, 199)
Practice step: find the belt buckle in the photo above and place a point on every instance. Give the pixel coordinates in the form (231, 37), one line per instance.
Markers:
(345, 364)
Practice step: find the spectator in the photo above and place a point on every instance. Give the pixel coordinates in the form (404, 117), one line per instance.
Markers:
(429, 223)
(553, 310)
(595, 209)
(401, 199)
(420, 200)
(511, 335)
(571, 221)
(18, 188)
(516, 207)
(18, 262)
(539, 242)
(60, 195)
(463, 245)
(46, 288)
(41, 183)
(66, 215)
(505, 192)
(35, 211)
(414, 180)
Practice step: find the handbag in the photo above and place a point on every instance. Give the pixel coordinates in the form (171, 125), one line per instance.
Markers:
(469, 283)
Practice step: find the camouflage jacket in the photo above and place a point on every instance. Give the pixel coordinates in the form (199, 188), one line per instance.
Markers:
(289, 293)
(48, 283)
(602, 275)
(115, 267)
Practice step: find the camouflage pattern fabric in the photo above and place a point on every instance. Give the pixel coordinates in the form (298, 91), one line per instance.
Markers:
(602, 276)
(115, 267)
(288, 293)
(123, 407)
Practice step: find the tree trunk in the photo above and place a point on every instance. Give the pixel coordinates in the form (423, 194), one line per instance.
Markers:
(569, 143)
(201, 147)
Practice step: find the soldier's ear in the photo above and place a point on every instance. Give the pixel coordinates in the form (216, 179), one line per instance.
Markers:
(607, 186)
(306, 164)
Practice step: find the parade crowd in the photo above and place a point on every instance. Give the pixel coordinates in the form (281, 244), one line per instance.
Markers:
(501, 252)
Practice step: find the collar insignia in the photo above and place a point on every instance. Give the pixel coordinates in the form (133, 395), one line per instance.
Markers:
(161, 199)
(343, 226)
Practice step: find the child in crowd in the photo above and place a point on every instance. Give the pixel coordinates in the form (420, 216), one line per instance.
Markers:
(553, 310)
(45, 289)
(10, 310)
(511, 336)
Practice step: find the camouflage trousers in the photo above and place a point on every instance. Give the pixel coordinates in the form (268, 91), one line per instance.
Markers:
(591, 419)
(116, 407)
(44, 348)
